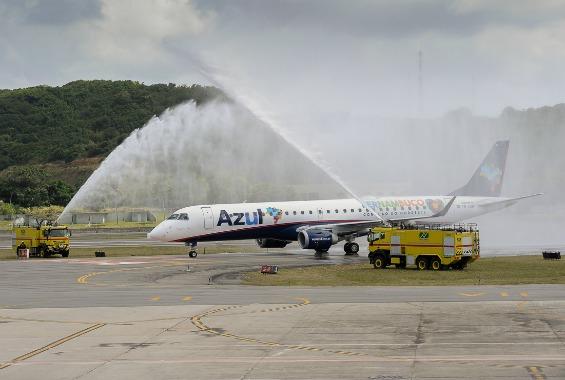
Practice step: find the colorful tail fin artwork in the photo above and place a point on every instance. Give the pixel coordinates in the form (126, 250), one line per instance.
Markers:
(487, 180)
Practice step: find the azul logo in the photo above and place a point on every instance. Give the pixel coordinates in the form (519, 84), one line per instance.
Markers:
(241, 218)
(276, 213)
(491, 173)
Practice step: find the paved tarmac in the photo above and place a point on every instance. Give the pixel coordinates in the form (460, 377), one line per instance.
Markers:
(148, 317)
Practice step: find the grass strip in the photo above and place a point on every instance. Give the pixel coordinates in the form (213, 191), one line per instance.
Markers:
(485, 271)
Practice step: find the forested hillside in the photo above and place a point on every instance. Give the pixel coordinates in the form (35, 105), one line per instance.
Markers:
(51, 138)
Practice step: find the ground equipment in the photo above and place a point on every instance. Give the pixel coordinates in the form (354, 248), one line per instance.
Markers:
(427, 247)
(44, 240)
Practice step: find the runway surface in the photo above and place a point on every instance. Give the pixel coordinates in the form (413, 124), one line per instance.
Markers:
(148, 317)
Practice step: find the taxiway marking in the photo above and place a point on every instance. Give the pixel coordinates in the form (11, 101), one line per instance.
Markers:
(187, 298)
(51, 345)
(472, 294)
(197, 321)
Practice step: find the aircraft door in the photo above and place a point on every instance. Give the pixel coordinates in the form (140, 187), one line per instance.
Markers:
(320, 213)
(208, 217)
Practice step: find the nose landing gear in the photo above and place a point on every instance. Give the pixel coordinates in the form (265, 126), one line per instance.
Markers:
(192, 252)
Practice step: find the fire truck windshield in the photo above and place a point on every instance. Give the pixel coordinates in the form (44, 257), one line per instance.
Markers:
(59, 233)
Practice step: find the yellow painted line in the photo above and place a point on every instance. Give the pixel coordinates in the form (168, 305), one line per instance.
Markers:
(156, 298)
(84, 278)
(197, 321)
(503, 294)
(52, 345)
(187, 298)
(472, 294)
(524, 294)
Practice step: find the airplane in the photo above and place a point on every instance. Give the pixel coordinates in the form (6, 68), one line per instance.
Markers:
(319, 224)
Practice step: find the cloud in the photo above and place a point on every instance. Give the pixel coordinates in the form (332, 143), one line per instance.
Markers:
(387, 18)
(139, 31)
(54, 12)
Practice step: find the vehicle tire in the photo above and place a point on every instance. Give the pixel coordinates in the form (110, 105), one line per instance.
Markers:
(65, 253)
(347, 248)
(192, 254)
(380, 262)
(353, 248)
(435, 264)
(421, 263)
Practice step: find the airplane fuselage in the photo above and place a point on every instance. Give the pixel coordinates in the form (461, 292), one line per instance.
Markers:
(282, 220)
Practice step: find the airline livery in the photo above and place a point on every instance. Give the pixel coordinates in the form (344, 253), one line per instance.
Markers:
(318, 225)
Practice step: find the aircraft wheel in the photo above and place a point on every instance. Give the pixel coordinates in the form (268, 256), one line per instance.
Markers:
(347, 247)
(192, 254)
(353, 248)
(421, 263)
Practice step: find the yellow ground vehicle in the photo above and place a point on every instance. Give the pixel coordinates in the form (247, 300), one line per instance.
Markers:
(430, 247)
(44, 240)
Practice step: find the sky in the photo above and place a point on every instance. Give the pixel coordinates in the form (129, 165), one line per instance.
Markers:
(323, 56)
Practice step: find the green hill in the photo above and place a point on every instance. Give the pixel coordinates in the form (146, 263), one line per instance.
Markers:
(52, 138)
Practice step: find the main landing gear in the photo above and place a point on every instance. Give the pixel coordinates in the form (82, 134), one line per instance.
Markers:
(351, 248)
(192, 252)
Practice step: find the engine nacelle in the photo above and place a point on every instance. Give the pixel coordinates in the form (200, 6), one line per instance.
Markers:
(318, 240)
(271, 243)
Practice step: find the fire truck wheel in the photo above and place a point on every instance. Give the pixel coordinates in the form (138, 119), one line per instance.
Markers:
(380, 262)
(435, 264)
(421, 263)
(65, 254)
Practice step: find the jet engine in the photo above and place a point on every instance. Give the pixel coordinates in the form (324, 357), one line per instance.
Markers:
(318, 240)
(271, 243)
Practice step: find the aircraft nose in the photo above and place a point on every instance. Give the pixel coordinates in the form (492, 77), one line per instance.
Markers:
(158, 233)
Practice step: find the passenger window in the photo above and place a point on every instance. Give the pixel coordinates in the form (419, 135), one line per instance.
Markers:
(286, 212)
(302, 212)
(294, 213)
(310, 212)
(359, 210)
(352, 210)
(336, 210)
(328, 211)
(345, 211)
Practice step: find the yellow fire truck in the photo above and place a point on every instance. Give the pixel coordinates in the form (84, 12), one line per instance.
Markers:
(43, 240)
(431, 247)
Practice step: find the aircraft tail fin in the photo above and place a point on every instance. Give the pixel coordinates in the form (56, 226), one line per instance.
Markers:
(487, 180)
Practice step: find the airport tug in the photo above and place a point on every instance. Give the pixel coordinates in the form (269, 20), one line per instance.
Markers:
(432, 247)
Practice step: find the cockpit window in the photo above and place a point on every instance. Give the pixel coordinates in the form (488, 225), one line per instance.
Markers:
(183, 216)
(173, 217)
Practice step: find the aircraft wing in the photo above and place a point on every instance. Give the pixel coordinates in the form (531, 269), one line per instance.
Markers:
(346, 228)
(362, 228)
